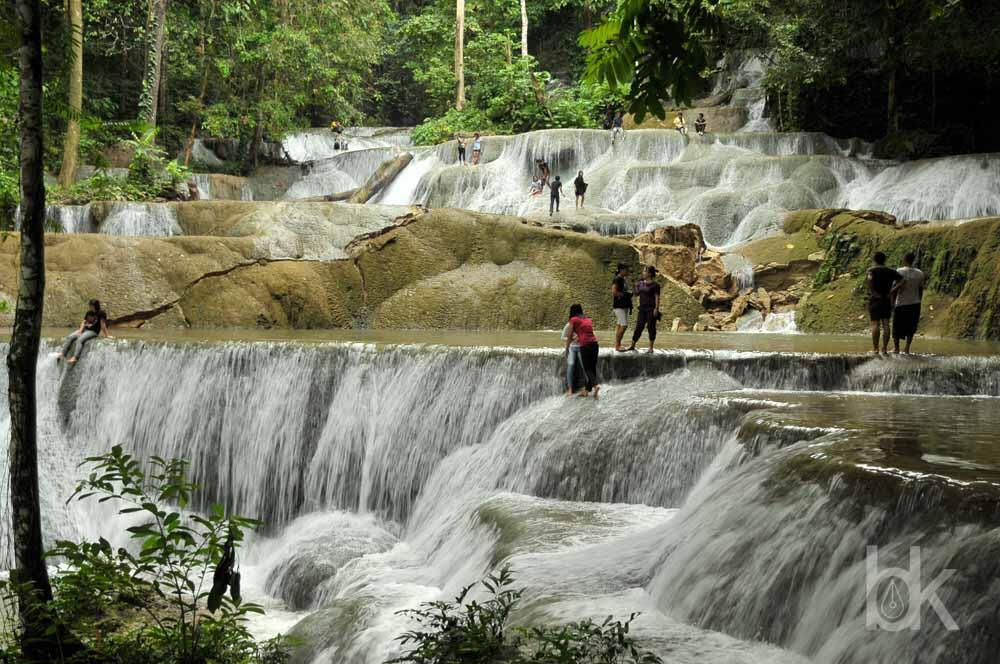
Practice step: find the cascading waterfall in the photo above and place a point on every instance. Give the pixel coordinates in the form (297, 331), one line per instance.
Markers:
(341, 172)
(141, 220)
(737, 187)
(316, 144)
(391, 476)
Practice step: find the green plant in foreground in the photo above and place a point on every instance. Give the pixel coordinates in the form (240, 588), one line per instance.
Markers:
(174, 596)
(479, 633)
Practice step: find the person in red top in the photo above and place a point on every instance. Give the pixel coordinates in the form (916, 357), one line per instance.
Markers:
(583, 328)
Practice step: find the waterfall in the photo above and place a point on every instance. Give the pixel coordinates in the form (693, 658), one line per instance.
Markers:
(962, 187)
(341, 172)
(141, 219)
(727, 495)
(316, 144)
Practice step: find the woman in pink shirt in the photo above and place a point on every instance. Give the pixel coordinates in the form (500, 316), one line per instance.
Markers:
(583, 329)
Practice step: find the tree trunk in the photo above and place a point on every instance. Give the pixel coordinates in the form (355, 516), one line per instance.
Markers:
(71, 142)
(892, 117)
(381, 178)
(460, 53)
(150, 101)
(38, 638)
(189, 145)
(524, 28)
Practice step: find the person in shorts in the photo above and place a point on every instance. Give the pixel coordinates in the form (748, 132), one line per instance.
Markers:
(909, 291)
(621, 303)
(881, 280)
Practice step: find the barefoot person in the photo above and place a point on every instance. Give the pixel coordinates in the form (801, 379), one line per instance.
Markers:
(580, 186)
(583, 328)
(556, 187)
(649, 307)
(621, 303)
(95, 322)
(881, 280)
(477, 148)
(573, 361)
(909, 291)
(461, 149)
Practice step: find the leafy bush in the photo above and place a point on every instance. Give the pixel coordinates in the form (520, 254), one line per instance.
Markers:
(479, 633)
(444, 128)
(174, 596)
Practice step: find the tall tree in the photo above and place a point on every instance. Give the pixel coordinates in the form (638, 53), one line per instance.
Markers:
(524, 28)
(71, 142)
(150, 101)
(30, 573)
(460, 53)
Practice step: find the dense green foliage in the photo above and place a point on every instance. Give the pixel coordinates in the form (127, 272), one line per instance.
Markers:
(925, 68)
(479, 632)
(918, 75)
(173, 595)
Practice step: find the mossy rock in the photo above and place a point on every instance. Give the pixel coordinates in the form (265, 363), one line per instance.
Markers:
(452, 267)
(961, 262)
(780, 249)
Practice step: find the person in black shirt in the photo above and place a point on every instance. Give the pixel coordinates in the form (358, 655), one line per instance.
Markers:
(881, 280)
(95, 322)
(699, 124)
(621, 303)
(581, 189)
(461, 149)
(556, 187)
(649, 307)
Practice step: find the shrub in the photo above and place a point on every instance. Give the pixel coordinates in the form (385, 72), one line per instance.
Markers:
(444, 128)
(175, 595)
(480, 633)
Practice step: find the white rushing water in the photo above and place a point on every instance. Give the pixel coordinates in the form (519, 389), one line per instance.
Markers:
(141, 219)
(667, 496)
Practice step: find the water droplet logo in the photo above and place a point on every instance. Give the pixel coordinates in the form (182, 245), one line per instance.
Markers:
(894, 604)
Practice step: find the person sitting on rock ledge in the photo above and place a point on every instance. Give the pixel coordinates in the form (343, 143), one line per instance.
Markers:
(95, 322)
(679, 123)
(699, 124)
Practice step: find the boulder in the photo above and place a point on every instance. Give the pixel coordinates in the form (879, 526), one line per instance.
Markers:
(673, 261)
(686, 235)
(713, 271)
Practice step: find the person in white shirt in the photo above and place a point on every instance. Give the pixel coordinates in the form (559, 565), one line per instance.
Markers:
(909, 291)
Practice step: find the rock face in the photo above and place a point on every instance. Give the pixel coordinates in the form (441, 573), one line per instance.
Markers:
(962, 297)
(316, 265)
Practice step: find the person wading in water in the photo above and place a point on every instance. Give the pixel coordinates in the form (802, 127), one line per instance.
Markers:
(881, 281)
(583, 329)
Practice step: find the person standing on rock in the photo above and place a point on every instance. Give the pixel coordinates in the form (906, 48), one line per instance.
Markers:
(95, 323)
(909, 291)
(583, 329)
(477, 148)
(649, 307)
(881, 281)
(618, 128)
(581, 190)
(621, 303)
(573, 360)
(461, 149)
(556, 187)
